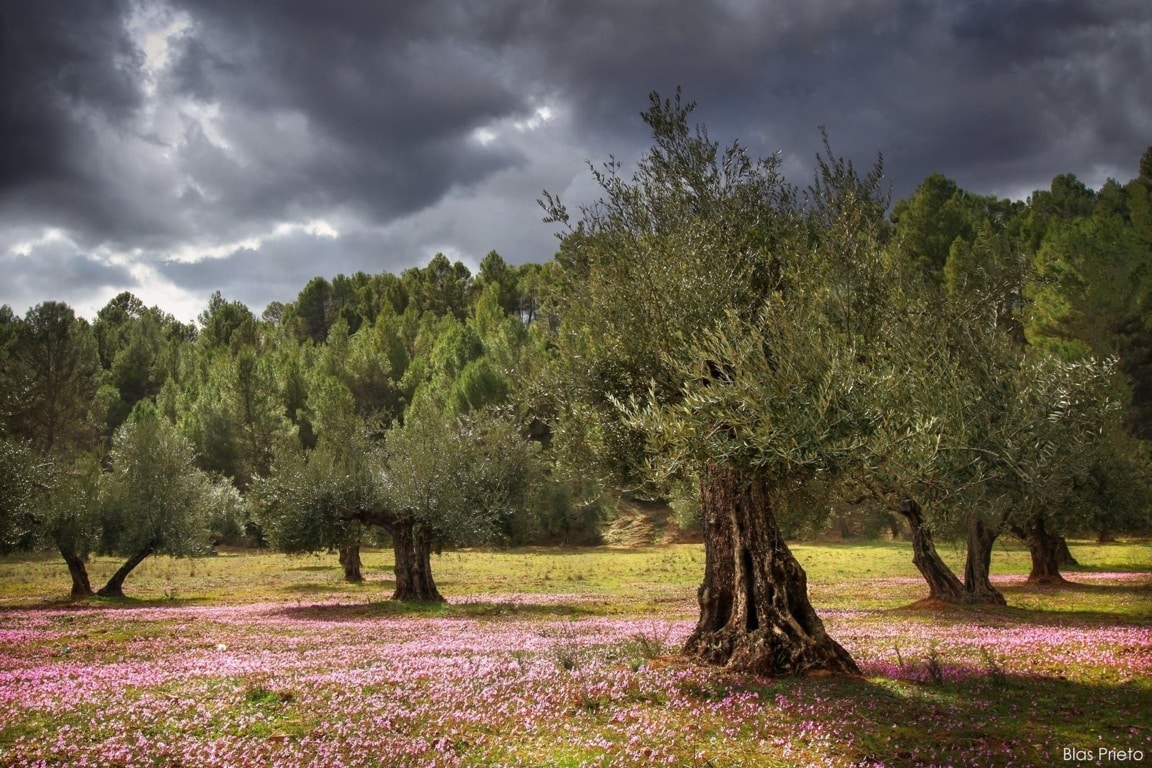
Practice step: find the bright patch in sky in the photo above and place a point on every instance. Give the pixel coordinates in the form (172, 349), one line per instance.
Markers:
(182, 304)
(208, 118)
(540, 117)
(49, 237)
(321, 228)
(152, 27)
(484, 136)
(492, 132)
(192, 254)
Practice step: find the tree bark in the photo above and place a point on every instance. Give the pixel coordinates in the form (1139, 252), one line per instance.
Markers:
(81, 585)
(943, 584)
(350, 562)
(115, 585)
(1063, 554)
(1044, 547)
(978, 564)
(754, 610)
(412, 545)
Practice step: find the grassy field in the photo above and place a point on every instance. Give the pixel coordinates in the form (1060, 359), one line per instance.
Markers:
(565, 658)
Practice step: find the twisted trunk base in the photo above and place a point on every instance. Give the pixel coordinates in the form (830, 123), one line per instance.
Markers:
(350, 562)
(115, 585)
(81, 585)
(754, 610)
(412, 545)
(943, 584)
(978, 564)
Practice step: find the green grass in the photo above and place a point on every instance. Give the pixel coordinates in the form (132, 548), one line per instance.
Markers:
(646, 580)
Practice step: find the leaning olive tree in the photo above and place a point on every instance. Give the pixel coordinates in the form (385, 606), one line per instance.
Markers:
(721, 326)
(941, 416)
(153, 499)
(70, 516)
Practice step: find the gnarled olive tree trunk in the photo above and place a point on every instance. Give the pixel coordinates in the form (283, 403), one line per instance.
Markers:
(1063, 554)
(412, 547)
(942, 582)
(115, 585)
(754, 610)
(350, 562)
(81, 585)
(978, 564)
(1045, 550)
(412, 544)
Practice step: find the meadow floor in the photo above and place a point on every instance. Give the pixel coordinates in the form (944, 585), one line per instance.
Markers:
(565, 658)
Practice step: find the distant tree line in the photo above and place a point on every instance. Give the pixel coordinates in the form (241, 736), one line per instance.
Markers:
(306, 428)
(776, 359)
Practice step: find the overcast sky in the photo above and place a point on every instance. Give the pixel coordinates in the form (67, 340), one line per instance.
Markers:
(173, 149)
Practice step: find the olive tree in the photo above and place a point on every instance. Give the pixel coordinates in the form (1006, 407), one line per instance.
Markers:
(71, 516)
(435, 480)
(310, 500)
(154, 500)
(721, 326)
(1067, 462)
(1011, 439)
(451, 481)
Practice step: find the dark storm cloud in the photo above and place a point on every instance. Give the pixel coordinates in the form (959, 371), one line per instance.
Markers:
(996, 93)
(999, 95)
(57, 71)
(62, 68)
(407, 125)
(388, 98)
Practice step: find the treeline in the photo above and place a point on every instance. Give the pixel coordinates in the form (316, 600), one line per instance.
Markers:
(138, 434)
(1001, 354)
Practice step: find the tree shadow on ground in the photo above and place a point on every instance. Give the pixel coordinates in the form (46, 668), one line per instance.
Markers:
(972, 717)
(99, 602)
(326, 588)
(1071, 586)
(1125, 568)
(396, 608)
(1023, 617)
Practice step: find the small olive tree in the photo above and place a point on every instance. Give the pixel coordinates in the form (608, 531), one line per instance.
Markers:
(154, 500)
(1066, 462)
(311, 499)
(452, 481)
(70, 516)
(435, 480)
